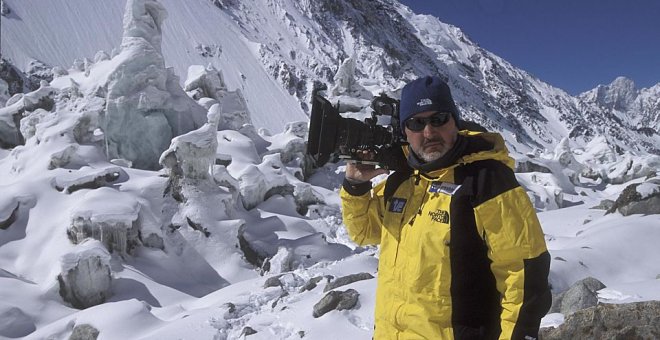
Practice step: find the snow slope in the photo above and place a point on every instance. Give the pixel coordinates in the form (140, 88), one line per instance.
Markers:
(81, 28)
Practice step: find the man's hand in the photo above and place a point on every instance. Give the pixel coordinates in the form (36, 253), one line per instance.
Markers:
(359, 172)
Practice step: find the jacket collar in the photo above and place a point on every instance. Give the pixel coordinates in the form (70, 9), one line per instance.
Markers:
(470, 147)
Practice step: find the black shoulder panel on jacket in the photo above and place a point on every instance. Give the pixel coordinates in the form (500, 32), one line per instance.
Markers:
(475, 300)
(491, 178)
(394, 181)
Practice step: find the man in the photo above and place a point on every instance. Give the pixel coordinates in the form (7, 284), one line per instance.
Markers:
(462, 253)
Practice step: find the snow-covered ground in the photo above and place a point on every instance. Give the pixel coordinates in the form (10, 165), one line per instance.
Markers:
(224, 231)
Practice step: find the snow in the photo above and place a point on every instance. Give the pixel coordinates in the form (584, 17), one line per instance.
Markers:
(190, 246)
(183, 31)
(647, 189)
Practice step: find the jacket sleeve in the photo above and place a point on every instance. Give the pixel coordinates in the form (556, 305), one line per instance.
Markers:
(519, 259)
(362, 213)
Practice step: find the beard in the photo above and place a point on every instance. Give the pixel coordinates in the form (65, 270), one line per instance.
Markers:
(431, 156)
(433, 153)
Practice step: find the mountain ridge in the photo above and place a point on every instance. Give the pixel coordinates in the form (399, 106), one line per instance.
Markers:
(301, 44)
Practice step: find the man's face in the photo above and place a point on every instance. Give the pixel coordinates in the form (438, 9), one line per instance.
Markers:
(432, 142)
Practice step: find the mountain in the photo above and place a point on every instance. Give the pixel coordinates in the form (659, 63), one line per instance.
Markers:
(277, 46)
(638, 107)
(155, 185)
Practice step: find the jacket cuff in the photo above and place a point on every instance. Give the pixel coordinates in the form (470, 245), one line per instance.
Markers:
(356, 189)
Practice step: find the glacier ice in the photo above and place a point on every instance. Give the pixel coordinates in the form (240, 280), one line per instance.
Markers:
(86, 278)
(145, 105)
(109, 216)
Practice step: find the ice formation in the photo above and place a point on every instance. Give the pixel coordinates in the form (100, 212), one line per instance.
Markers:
(86, 278)
(145, 105)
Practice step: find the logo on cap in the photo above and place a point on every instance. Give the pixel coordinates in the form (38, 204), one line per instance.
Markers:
(424, 101)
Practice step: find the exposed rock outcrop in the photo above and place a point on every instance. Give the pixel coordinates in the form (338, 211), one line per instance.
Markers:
(19, 106)
(638, 320)
(580, 295)
(84, 332)
(639, 198)
(342, 281)
(336, 300)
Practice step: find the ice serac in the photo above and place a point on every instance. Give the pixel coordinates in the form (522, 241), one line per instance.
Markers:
(191, 155)
(86, 278)
(145, 105)
(345, 82)
(115, 224)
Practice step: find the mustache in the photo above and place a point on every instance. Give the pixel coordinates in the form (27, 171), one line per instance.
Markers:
(434, 140)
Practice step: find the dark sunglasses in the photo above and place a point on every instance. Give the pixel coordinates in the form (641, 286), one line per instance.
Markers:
(418, 124)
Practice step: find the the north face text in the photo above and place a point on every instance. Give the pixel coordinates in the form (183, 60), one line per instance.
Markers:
(441, 216)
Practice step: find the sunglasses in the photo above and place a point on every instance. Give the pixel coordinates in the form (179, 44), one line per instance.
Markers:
(418, 124)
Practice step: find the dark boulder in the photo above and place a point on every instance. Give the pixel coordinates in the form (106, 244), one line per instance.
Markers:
(336, 300)
(342, 281)
(639, 198)
(638, 320)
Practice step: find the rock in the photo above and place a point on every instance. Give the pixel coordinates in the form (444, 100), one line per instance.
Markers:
(531, 166)
(305, 195)
(21, 105)
(86, 278)
(311, 283)
(36, 72)
(88, 180)
(580, 296)
(251, 255)
(273, 281)
(153, 241)
(639, 198)
(12, 76)
(248, 331)
(604, 205)
(84, 332)
(6, 221)
(556, 303)
(638, 320)
(342, 281)
(336, 300)
(4, 92)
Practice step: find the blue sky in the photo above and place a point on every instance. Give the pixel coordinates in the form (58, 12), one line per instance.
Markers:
(571, 44)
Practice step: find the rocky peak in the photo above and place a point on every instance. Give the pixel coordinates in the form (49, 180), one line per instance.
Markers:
(618, 95)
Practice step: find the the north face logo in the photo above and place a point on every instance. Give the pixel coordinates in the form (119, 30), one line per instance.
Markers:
(440, 216)
(424, 102)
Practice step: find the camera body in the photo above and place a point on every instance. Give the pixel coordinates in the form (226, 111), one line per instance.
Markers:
(332, 136)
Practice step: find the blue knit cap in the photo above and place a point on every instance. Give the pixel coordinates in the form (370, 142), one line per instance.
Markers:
(426, 94)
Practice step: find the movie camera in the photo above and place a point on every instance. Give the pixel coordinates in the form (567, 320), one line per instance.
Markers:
(332, 136)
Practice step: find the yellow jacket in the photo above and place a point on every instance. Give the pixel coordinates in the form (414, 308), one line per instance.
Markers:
(462, 253)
